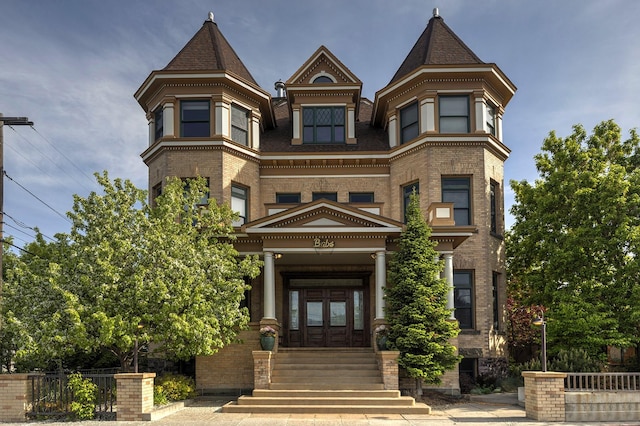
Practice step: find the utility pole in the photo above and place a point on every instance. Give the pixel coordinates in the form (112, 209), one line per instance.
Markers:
(10, 121)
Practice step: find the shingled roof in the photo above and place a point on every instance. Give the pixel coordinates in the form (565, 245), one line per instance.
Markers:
(208, 50)
(438, 45)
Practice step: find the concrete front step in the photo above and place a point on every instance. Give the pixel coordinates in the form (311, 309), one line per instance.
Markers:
(306, 393)
(326, 386)
(334, 372)
(403, 401)
(418, 408)
(326, 381)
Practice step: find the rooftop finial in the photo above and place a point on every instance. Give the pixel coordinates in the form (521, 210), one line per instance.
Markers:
(436, 12)
(210, 17)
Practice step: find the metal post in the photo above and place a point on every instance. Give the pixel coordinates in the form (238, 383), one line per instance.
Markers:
(541, 322)
(12, 121)
(544, 344)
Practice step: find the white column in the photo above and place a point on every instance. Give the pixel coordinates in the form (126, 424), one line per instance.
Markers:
(296, 123)
(481, 111)
(499, 126)
(448, 274)
(255, 132)
(269, 287)
(222, 115)
(381, 283)
(168, 114)
(351, 123)
(427, 115)
(392, 129)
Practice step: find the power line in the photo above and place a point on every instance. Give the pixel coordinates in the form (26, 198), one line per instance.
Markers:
(51, 160)
(91, 179)
(36, 197)
(24, 225)
(19, 248)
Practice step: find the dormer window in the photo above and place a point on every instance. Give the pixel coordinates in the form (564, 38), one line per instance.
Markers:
(322, 79)
(323, 124)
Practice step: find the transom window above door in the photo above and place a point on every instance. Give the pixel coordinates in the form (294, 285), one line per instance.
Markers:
(323, 124)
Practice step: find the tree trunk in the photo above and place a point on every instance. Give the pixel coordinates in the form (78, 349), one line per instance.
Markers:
(418, 387)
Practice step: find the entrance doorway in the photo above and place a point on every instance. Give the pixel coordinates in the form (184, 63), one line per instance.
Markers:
(326, 312)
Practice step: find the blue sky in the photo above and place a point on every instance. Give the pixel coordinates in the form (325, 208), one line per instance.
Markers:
(72, 67)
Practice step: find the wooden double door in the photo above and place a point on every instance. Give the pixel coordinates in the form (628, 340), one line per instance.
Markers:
(327, 316)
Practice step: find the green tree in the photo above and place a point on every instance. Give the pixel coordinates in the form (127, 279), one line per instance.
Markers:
(165, 274)
(416, 304)
(574, 244)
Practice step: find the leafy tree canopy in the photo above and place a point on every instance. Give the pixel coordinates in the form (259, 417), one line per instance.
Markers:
(166, 274)
(575, 241)
(416, 303)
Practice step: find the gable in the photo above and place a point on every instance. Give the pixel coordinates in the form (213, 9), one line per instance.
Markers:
(323, 216)
(323, 63)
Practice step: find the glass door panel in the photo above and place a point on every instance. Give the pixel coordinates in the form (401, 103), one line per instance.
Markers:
(314, 314)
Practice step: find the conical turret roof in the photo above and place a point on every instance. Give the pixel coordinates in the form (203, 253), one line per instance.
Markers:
(437, 45)
(209, 50)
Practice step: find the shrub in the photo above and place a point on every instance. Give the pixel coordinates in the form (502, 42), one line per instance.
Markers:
(159, 398)
(174, 387)
(575, 360)
(84, 392)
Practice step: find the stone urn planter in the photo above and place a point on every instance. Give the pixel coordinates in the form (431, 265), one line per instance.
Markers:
(267, 342)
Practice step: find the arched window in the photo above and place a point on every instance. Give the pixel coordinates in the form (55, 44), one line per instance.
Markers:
(322, 79)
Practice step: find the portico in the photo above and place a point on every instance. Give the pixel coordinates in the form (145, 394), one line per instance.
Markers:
(325, 267)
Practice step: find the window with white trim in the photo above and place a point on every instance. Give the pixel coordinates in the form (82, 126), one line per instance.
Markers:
(323, 124)
(454, 114)
(239, 125)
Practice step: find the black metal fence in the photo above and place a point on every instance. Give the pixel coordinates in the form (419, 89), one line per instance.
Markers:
(51, 397)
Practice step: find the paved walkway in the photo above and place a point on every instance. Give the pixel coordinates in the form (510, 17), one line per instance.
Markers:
(499, 409)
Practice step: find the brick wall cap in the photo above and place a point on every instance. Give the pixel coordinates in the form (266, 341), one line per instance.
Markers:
(388, 354)
(18, 376)
(544, 374)
(134, 376)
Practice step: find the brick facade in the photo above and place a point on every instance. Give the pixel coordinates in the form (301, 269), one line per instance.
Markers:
(284, 154)
(15, 397)
(135, 395)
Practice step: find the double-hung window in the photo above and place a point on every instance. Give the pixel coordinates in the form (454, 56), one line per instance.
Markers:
(490, 120)
(454, 114)
(194, 119)
(407, 191)
(239, 125)
(493, 201)
(457, 190)
(409, 126)
(323, 124)
(158, 123)
(240, 203)
(463, 296)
